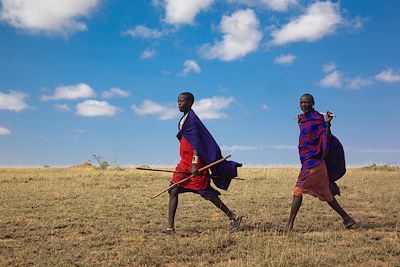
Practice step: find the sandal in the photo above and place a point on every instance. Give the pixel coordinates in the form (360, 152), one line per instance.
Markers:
(348, 224)
(235, 222)
(168, 231)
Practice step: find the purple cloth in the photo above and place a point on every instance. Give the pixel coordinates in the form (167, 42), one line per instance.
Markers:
(314, 146)
(200, 139)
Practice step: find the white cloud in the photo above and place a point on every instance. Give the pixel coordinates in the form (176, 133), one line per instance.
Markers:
(358, 81)
(264, 107)
(211, 108)
(329, 67)
(13, 101)
(81, 90)
(49, 16)
(388, 75)
(115, 92)
(190, 66)
(4, 131)
(238, 148)
(149, 107)
(280, 147)
(334, 79)
(357, 23)
(275, 5)
(62, 107)
(93, 108)
(287, 59)
(241, 36)
(141, 31)
(320, 19)
(148, 53)
(184, 12)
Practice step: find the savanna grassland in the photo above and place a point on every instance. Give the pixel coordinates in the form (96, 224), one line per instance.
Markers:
(90, 217)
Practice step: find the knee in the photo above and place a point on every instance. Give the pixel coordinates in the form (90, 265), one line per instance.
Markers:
(173, 192)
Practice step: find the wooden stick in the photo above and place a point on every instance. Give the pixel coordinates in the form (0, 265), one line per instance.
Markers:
(187, 178)
(161, 170)
(322, 113)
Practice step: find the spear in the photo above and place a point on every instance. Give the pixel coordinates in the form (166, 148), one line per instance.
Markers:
(161, 170)
(187, 178)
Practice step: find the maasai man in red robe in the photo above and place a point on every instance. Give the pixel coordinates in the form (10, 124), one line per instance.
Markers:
(198, 149)
(322, 161)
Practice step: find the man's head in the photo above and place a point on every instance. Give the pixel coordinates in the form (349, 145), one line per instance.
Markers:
(185, 102)
(307, 103)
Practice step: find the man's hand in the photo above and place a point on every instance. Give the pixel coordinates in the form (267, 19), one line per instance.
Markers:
(329, 117)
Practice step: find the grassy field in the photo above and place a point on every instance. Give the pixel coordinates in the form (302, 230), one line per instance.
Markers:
(89, 217)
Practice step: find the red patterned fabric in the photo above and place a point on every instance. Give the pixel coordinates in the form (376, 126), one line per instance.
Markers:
(314, 181)
(185, 165)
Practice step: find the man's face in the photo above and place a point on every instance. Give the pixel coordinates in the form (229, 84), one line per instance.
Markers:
(184, 104)
(306, 104)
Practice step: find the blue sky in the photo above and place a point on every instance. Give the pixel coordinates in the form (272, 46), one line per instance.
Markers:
(84, 77)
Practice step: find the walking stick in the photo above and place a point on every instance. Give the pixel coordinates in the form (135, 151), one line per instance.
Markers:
(170, 171)
(160, 170)
(187, 178)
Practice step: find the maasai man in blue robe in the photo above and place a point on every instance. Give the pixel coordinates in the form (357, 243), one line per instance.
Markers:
(198, 149)
(322, 161)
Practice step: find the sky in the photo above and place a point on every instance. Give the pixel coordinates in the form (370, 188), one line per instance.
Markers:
(102, 77)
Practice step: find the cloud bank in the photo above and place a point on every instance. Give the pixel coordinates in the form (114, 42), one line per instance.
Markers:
(48, 16)
(94, 108)
(319, 20)
(71, 92)
(241, 36)
(5, 131)
(13, 101)
(184, 12)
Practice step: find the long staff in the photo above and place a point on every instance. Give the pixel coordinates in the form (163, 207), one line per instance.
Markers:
(187, 178)
(162, 170)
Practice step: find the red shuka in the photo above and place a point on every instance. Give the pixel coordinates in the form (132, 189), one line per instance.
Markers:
(198, 182)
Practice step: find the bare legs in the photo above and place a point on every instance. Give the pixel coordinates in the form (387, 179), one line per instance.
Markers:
(173, 204)
(297, 200)
(347, 220)
(294, 210)
(219, 204)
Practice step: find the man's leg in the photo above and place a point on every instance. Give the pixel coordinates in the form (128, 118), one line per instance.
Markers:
(234, 219)
(347, 220)
(293, 211)
(219, 204)
(172, 206)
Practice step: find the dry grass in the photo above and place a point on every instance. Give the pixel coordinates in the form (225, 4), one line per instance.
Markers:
(89, 217)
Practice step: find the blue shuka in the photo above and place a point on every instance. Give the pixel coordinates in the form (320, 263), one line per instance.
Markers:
(200, 139)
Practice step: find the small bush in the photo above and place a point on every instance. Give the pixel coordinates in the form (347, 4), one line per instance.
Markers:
(104, 164)
(386, 167)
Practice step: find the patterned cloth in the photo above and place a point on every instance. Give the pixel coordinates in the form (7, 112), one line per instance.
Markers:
(314, 181)
(197, 135)
(198, 182)
(315, 149)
